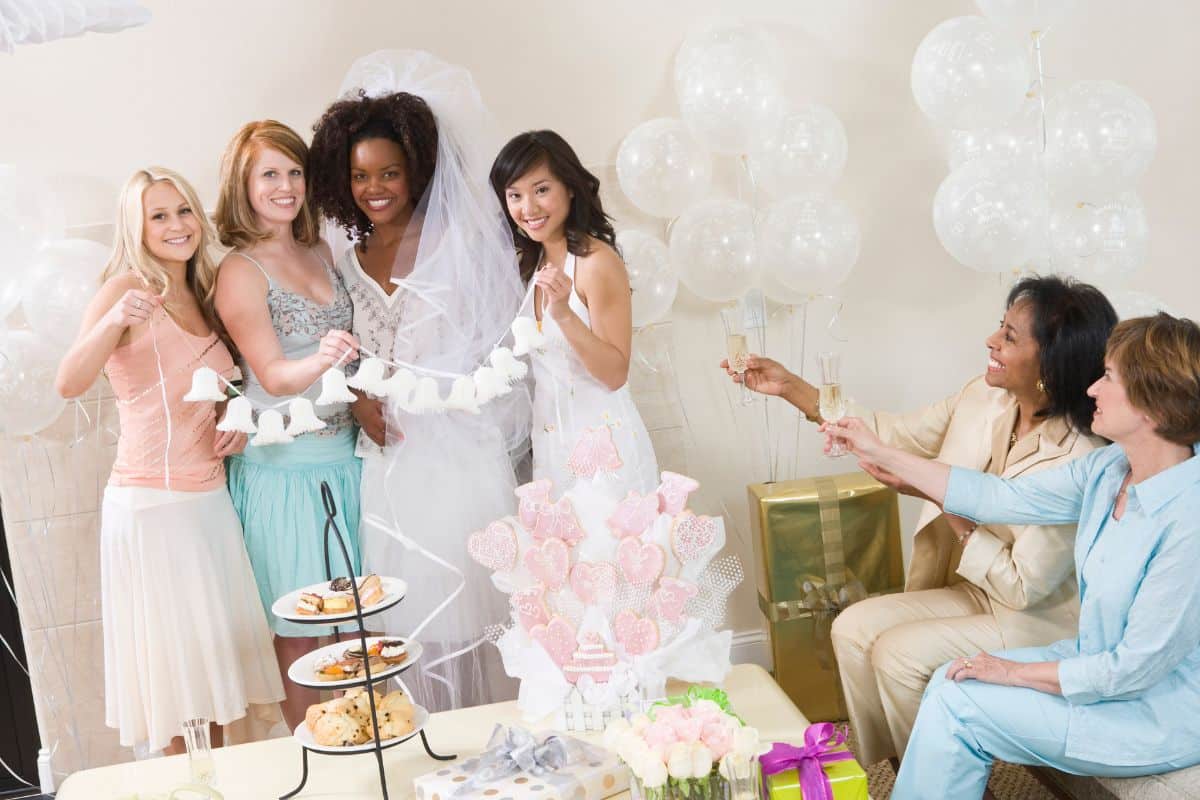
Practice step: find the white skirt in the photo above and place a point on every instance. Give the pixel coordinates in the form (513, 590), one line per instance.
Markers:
(185, 634)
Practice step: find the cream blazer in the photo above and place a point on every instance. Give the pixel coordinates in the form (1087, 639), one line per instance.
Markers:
(1025, 572)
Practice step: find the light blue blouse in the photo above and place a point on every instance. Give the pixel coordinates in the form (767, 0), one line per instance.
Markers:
(1132, 676)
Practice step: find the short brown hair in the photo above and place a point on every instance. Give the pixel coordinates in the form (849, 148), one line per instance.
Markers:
(1159, 361)
(235, 218)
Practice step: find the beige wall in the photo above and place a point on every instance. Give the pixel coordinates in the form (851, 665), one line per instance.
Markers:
(173, 92)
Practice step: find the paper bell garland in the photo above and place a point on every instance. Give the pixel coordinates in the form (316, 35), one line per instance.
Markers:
(205, 387)
(303, 418)
(334, 389)
(238, 417)
(399, 387)
(425, 398)
(462, 396)
(489, 384)
(507, 365)
(369, 377)
(270, 429)
(526, 336)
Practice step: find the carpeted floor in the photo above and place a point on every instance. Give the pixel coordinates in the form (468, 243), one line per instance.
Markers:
(1008, 782)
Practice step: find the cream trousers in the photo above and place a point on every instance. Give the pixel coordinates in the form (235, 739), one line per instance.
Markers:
(888, 648)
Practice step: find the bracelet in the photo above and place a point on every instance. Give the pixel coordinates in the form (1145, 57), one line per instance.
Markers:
(962, 538)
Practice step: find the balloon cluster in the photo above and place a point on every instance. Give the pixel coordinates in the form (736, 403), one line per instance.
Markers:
(50, 281)
(728, 85)
(47, 20)
(1037, 181)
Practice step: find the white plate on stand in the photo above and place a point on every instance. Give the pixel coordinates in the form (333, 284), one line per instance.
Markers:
(285, 607)
(303, 670)
(305, 737)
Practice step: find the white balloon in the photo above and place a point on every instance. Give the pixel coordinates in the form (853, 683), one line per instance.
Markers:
(653, 282)
(1100, 137)
(1130, 303)
(805, 150)
(64, 278)
(713, 249)
(990, 215)
(662, 168)
(1027, 16)
(727, 81)
(28, 401)
(1096, 241)
(1019, 140)
(30, 216)
(784, 295)
(809, 243)
(969, 73)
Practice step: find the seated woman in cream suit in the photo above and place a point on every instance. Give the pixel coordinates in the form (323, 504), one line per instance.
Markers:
(971, 588)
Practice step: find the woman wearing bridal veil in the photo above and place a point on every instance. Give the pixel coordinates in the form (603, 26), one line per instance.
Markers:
(428, 258)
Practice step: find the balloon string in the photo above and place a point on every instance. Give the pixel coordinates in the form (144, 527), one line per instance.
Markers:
(162, 383)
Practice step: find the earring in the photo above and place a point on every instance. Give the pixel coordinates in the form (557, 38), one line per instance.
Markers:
(1041, 387)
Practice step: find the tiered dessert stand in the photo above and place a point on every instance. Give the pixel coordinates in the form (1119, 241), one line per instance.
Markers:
(302, 671)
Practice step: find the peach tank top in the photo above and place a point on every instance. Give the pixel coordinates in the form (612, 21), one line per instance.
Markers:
(144, 457)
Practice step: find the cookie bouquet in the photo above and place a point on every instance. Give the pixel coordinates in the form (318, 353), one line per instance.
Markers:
(611, 593)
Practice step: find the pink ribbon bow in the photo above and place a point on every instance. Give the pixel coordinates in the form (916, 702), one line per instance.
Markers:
(819, 741)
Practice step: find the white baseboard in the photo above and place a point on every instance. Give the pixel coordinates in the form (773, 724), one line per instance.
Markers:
(752, 647)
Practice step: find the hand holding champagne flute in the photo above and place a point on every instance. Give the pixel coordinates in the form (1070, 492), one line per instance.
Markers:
(832, 401)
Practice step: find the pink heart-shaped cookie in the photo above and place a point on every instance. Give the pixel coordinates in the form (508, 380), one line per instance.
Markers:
(548, 562)
(673, 492)
(692, 536)
(670, 598)
(640, 562)
(558, 639)
(495, 547)
(637, 635)
(532, 497)
(634, 515)
(558, 521)
(529, 604)
(594, 582)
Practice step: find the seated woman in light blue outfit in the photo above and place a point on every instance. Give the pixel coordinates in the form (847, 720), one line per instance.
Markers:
(289, 314)
(1123, 698)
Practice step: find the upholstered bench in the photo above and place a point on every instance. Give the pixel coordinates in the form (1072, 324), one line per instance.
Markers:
(1183, 784)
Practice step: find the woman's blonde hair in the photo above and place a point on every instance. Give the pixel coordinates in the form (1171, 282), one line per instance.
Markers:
(1158, 359)
(237, 223)
(130, 253)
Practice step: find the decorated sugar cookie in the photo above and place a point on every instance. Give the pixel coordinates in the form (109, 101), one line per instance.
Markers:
(692, 536)
(558, 521)
(640, 562)
(529, 604)
(637, 634)
(634, 515)
(548, 562)
(594, 583)
(532, 497)
(673, 492)
(671, 596)
(558, 639)
(495, 547)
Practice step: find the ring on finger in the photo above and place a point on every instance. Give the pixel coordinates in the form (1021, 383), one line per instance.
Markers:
(967, 664)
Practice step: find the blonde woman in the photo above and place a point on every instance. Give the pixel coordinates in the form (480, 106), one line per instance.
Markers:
(184, 634)
(288, 312)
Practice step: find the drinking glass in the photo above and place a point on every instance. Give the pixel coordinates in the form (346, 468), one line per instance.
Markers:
(199, 749)
(832, 401)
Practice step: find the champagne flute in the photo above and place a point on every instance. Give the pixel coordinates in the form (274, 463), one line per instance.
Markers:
(737, 347)
(199, 750)
(832, 401)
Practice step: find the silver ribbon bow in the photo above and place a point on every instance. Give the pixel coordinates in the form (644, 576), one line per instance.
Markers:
(515, 750)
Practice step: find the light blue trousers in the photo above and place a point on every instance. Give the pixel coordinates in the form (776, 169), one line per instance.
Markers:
(962, 728)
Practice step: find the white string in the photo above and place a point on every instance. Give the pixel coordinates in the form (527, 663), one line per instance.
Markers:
(16, 777)
(162, 383)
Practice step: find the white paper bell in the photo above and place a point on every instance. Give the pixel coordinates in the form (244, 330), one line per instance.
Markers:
(302, 417)
(526, 336)
(462, 396)
(507, 365)
(270, 429)
(489, 384)
(369, 377)
(399, 387)
(333, 388)
(426, 398)
(239, 416)
(205, 387)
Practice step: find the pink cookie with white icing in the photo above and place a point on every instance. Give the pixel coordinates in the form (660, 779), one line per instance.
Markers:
(594, 583)
(558, 639)
(558, 521)
(640, 562)
(548, 562)
(673, 492)
(495, 547)
(692, 536)
(532, 497)
(634, 515)
(670, 598)
(529, 604)
(637, 634)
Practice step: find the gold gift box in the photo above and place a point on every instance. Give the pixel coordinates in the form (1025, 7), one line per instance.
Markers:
(819, 544)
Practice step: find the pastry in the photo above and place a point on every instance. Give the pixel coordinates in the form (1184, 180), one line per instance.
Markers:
(309, 603)
(337, 603)
(370, 591)
(315, 712)
(361, 703)
(396, 705)
(392, 726)
(340, 585)
(392, 651)
(338, 730)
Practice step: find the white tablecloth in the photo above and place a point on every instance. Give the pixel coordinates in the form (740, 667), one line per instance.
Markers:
(265, 770)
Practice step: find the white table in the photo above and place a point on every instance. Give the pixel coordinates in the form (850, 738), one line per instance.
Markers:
(265, 770)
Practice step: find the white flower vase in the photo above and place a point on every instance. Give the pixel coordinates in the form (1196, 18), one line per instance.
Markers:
(744, 782)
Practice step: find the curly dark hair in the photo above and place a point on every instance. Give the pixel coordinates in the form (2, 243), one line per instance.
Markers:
(402, 118)
(1071, 322)
(586, 216)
